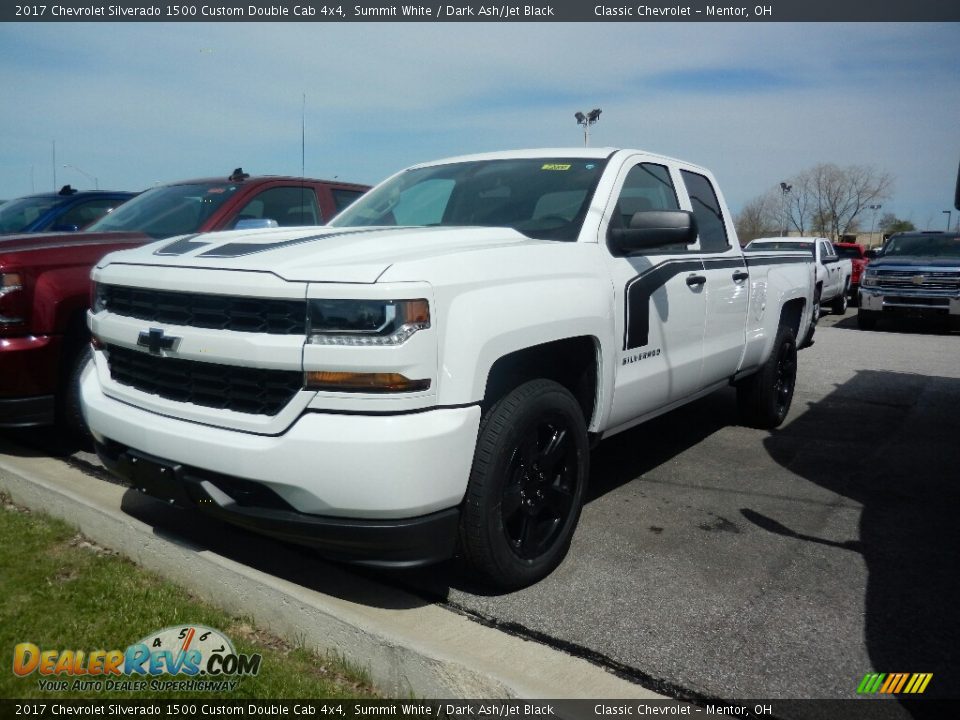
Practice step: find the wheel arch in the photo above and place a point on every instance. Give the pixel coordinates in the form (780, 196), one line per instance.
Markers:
(572, 362)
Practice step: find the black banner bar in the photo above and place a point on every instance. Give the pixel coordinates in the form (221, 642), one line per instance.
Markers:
(203, 706)
(334, 11)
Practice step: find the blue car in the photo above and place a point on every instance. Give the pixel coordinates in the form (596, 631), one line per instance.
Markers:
(63, 211)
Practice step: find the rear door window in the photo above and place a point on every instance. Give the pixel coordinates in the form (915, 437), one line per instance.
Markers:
(706, 208)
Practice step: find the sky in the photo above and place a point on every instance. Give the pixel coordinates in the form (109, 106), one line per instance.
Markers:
(132, 105)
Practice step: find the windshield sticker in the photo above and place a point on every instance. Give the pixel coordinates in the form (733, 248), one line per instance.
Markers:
(556, 166)
(216, 190)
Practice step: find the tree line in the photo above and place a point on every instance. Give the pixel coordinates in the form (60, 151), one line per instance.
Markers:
(826, 200)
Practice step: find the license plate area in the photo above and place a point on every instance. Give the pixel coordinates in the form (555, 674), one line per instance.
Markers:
(157, 478)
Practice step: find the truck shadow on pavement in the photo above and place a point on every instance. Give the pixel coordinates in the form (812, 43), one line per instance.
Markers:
(888, 442)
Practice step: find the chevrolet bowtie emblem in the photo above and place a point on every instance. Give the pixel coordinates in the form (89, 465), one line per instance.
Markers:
(917, 279)
(155, 341)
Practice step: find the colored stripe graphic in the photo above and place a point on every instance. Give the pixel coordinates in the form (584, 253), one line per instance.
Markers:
(894, 683)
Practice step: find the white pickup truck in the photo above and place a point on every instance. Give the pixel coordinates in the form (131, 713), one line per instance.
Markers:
(424, 376)
(833, 272)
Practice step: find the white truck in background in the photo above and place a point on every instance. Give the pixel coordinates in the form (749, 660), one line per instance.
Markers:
(424, 377)
(834, 273)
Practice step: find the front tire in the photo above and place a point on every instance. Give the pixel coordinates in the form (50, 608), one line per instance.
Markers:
(526, 487)
(69, 412)
(764, 398)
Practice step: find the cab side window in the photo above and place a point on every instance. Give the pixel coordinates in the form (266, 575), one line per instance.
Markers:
(647, 187)
(289, 206)
(83, 213)
(706, 208)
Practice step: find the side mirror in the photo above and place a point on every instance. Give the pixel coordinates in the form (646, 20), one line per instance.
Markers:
(255, 224)
(871, 254)
(654, 228)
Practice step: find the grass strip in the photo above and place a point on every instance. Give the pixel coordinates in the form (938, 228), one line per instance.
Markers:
(60, 591)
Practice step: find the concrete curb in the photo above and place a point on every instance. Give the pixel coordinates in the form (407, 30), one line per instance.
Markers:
(420, 649)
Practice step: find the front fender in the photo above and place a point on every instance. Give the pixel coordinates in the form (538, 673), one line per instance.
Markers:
(485, 323)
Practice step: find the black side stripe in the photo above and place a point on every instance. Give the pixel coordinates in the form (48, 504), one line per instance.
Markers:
(778, 259)
(640, 290)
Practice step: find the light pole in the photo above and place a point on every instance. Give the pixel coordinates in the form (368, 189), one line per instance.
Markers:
(587, 120)
(873, 223)
(784, 191)
(949, 214)
(88, 176)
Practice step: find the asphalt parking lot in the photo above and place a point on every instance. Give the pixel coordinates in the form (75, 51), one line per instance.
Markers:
(714, 560)
(718, 560)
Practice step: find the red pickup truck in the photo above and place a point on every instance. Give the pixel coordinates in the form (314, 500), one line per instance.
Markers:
(45, 278)
(857, 254)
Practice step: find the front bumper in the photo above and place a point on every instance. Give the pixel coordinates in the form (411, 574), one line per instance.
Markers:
(909, 303)
(29, 379)
(379, 489)
(407, 542)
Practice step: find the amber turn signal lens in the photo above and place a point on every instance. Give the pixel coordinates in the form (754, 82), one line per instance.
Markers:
(362, 382)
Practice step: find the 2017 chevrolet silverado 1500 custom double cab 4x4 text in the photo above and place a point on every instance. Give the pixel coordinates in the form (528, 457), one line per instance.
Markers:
(45, 277)
(425, 376)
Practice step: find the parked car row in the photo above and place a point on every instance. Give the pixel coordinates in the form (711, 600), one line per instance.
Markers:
(45, 276)
(425, 376)
(834, 272)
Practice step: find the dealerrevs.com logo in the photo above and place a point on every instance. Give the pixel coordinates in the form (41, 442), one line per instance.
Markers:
(192, 657)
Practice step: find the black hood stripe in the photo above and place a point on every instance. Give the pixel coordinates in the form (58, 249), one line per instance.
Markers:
(181, 246)
(234, 250)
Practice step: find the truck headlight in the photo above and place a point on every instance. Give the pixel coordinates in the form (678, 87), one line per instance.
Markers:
(366, 322)
(869, 278)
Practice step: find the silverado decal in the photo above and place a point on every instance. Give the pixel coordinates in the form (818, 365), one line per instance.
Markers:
(640, 289)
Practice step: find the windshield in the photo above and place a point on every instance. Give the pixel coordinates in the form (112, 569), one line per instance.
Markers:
(17, 215)
(848, 252)
(167, 211)
(779, 245)
(929, 246)
(543, 198)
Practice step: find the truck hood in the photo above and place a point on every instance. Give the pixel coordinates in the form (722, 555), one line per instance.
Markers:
(48, 241)
(345, 255)
(912, 261)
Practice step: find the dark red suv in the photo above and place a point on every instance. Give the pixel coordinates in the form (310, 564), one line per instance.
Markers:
(45, 278)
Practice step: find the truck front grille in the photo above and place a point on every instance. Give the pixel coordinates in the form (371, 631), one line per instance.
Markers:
(247, 390)
(215, 312)
(919, 280)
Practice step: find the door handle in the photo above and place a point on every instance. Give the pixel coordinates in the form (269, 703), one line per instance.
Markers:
(740, 275)
(696, 280)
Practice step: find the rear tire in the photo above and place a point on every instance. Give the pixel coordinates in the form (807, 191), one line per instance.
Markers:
(839, 304)
(526, 487)
(814, 319)
(764, 398)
